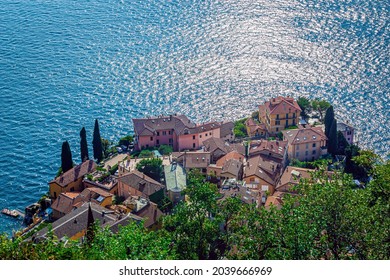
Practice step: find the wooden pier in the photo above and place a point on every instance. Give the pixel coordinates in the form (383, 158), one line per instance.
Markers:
(12, 213)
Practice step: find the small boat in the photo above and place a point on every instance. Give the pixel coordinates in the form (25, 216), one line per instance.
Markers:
(12, 213)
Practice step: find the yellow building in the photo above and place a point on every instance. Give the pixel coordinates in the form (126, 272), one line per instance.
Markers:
(71, 180)
(279, 113)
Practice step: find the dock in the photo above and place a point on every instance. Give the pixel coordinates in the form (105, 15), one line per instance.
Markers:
(12, 213)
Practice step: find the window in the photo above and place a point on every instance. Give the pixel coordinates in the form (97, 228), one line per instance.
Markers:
(294, 115)
(170, 140)
(314, 152)
(151, 138)
(164, 133)
(306, 153)
(147, 146)
(169, 132)
(193, 137)
(286, 123)
(349, 132)
(277, 122)
(55, 195)
(307, 146)
(206, 134)
(314, 145)
(277, 129)
(210, 132)
(193, 145)
(287, 116)
(277, 116)
(297, 154)
(200, 135)
(72, 189)
(158, 142)
(297, 147)
(158, 133)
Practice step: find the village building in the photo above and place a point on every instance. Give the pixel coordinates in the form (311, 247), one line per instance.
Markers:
(234, 188)
(136, 183)
(110, 184)
(279, 113)
(219, 148)
(71, 180)
(97, 196)
(227, 131)
(263, 173)
(229, 166)
(306, 144)
(74, 225)
(272, 148)
(146, 210)
(255, 129)
(174, 130)
(347, 130)
(192, 160)
(64, 204)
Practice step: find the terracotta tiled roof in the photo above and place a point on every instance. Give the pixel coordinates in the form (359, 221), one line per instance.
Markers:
(231, 155)
(291, 176)
(281, 105)
(226, 129)
(212, 144)
(304, 135)
(148, 126)
(77, 220)
(75, 173)
(196, 159)
(202, 128)
(264, 167)
(273, 200)
(276, 148)
(233, 167)
(141, 182)
(150, 213)
(65, 202)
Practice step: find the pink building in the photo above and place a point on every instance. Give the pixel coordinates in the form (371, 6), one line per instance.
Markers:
(347, 130)
(173, 130)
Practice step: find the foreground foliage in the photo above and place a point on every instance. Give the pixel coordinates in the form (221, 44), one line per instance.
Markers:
(327, 218)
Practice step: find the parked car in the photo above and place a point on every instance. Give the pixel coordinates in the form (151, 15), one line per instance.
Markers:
(119, 149)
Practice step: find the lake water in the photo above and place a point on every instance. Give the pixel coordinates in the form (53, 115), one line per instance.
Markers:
(64, 63)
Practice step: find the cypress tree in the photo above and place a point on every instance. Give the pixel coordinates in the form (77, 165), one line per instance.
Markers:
(329, 117)
(66, 157)
(83, 145)
(332, 139)
(97, 143)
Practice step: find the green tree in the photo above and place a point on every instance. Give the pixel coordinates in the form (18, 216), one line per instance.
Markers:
(332, 139)
(106, 145)
(342, 143)
(194, 225)
(126, 140)
(320, 106)
(367, 159)
(66, 157)
(240, 128)
(151, 167)
(305, 105)
(83, 145)
(329, 117)
(97, 143)
(165, 149)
